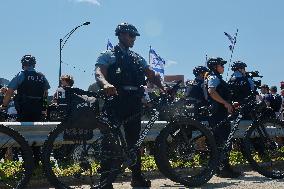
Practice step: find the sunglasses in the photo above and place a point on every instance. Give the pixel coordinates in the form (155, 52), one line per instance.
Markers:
(132, 35)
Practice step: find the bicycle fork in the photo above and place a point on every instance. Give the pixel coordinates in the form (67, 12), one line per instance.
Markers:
(227, 146)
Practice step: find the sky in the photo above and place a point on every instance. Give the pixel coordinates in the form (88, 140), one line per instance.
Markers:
(182, 32)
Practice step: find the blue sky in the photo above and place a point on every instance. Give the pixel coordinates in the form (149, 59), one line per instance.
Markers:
(181, 31)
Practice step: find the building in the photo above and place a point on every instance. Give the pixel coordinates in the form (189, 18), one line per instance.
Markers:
(168, 79)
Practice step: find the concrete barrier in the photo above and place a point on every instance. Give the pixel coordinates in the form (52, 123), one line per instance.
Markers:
(37, 132)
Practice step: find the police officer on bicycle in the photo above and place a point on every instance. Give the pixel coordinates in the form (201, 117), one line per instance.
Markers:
(121, 73)
(220, 102)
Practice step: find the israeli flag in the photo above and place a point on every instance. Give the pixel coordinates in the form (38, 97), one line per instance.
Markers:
(156, 62)
(232, 40)
(109, 45)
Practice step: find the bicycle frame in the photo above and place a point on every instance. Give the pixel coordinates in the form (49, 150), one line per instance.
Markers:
(130, 154)
(147, 128)
(234, 129)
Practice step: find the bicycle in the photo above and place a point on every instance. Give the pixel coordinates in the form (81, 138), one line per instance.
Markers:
(186, 151)
(262, 146)
(258, 141)
(96, 140)
(15, 168)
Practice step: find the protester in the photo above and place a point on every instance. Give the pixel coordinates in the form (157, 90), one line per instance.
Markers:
(66, 81)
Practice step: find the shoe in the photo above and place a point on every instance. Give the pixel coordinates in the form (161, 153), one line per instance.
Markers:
(103, 180)
(227, 172)
(140, 182)
(109, 186)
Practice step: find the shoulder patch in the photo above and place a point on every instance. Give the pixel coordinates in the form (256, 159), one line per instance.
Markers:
(212, 77)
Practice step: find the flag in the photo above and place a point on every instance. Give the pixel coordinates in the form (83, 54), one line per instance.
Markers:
(156, 62)
(232, 40)
(109, 45)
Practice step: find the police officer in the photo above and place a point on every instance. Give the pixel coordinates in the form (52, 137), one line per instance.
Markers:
(220, 102)
(196, 93)
(121, 72)
(241, 86)
(32, 87)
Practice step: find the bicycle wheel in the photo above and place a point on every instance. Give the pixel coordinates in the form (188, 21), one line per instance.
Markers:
(186, 152)
(264, 149)
(16, 159)
(72, 156)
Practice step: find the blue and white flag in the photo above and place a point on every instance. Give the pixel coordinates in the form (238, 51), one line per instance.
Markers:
(109, 45)
(232, 40)
(156, 62)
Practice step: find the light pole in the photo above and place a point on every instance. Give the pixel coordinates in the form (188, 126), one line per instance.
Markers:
(62, 44)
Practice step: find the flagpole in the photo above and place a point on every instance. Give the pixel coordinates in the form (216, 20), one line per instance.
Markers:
(149, 55)
(232, 52)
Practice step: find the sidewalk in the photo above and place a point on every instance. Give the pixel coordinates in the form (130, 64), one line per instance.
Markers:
(250, 180)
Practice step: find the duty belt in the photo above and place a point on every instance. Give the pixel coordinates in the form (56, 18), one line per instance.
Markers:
(130, 88)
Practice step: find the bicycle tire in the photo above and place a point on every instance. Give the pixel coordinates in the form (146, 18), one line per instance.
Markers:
(26, 156)
(162, 155)
(61, 183)
(262, 151)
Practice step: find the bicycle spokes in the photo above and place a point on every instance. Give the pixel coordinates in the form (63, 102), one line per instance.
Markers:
(266, 149)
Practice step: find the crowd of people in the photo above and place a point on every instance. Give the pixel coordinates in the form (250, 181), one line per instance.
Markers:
(121, 72)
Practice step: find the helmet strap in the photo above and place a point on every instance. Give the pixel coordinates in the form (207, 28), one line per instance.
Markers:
(122, 44)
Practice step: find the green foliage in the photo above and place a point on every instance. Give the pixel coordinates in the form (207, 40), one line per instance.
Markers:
(148, 163)
(9, 169)
(237, 158)
(180, 94)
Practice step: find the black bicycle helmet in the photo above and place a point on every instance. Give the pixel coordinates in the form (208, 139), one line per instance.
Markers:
(126, 28)
(28, 60)
(213, 62)
(238, 65)
(200, 69)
